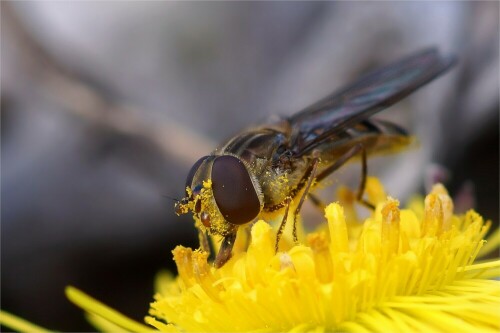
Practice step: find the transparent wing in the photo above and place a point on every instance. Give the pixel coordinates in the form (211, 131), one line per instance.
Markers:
(372, 93)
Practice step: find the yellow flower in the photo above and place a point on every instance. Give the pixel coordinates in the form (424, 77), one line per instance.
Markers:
(399, 270)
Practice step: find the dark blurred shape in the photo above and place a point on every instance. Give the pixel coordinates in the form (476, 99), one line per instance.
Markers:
(476, 173)
(106, 106)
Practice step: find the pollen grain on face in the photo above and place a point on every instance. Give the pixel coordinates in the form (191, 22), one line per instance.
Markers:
(399, 270)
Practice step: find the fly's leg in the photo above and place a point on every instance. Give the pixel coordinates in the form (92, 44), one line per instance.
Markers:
(317, 201)
(356, 149)
(288, 200)
(248, 236)
(311, 176)
(225, 250)
(203, 239)
(362, 184)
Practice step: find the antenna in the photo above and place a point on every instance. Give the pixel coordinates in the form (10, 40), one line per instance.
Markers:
(171, 198)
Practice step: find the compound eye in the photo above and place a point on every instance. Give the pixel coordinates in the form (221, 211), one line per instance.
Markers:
(233, 190)
(193, 170)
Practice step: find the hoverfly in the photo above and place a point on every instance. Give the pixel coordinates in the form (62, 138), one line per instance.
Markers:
(268, 168)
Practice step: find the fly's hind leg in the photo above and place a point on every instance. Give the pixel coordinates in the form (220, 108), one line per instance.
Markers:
(356, 149)
(317, 201)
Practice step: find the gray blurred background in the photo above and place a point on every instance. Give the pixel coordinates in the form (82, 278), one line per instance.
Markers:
(106, 105)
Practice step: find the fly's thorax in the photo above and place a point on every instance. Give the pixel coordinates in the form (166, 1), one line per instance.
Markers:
(275, 186)
(278, 183)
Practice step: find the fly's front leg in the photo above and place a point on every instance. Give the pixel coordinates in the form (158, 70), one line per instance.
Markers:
(225, 250)
(356, 149)
(203, 239)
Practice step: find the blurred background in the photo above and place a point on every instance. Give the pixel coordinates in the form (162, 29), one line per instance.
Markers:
(106, 105)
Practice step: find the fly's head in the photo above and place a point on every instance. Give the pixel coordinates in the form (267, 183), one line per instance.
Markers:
(222, 194)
